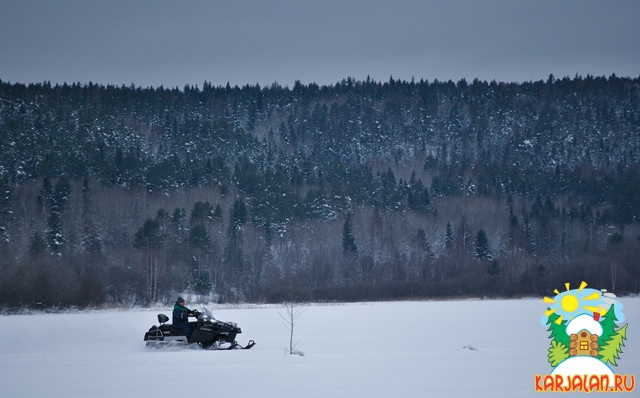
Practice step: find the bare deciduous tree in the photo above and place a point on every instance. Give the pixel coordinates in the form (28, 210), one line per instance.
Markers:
(293, 309)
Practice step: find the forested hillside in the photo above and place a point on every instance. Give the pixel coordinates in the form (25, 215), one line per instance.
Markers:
(358, 190)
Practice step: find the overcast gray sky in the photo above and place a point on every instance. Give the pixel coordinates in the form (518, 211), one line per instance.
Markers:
(178, 42)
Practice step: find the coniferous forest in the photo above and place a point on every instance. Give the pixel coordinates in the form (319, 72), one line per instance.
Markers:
(362, 190)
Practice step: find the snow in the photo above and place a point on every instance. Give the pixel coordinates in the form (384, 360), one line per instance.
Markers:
(583, 365)
(398, 349)
(584, 322)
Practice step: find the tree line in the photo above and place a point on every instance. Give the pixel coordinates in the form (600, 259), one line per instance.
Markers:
(358, 190)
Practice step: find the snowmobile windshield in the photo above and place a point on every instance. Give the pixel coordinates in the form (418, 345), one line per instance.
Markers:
(207, 311)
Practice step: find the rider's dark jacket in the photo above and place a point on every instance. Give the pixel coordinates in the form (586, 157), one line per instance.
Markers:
(180, 314)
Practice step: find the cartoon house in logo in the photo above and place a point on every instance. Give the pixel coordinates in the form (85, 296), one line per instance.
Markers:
(584, 332)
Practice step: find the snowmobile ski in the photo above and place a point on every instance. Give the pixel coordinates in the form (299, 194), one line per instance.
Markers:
(236, 346)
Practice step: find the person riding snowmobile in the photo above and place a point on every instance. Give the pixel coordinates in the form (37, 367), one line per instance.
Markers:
(181, 316)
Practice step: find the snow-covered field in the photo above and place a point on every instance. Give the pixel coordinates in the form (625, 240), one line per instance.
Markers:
(399, 349)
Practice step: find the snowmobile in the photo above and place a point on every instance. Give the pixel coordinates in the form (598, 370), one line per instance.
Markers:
(207, 332)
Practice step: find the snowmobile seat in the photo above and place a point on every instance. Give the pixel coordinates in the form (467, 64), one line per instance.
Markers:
(176, 331)
(162, 318)
(165, 328)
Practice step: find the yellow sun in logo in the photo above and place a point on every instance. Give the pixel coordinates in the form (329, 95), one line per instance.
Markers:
(572, 303)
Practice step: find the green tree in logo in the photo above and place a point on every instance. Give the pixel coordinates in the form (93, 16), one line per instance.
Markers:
(612, 340)
(613, 348)
(558, 352)
(609, 326)
(558, 331)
